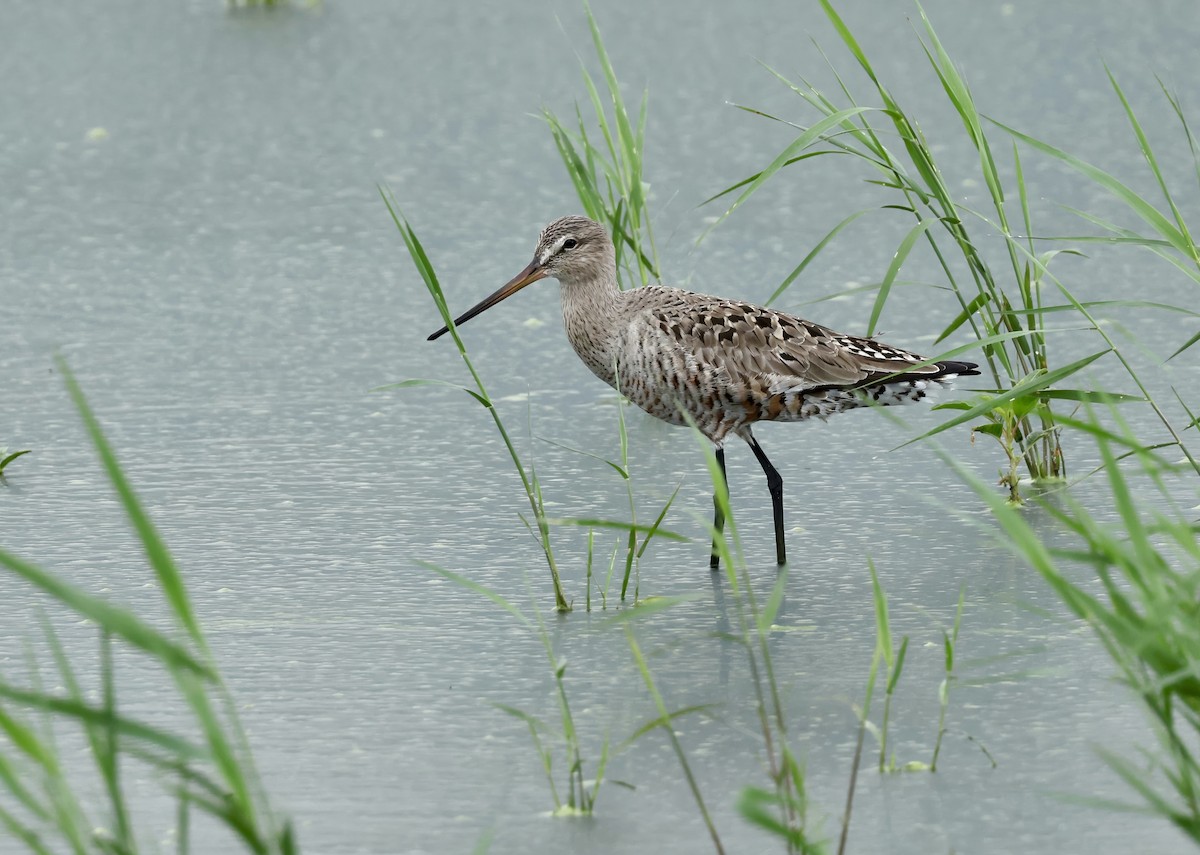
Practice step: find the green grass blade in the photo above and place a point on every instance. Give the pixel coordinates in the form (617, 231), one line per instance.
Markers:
(1032, 384)
(169, 577)
(848, 39)
(10, 777)
(1148, 153)
(662, 514)
(480, 589)
(766, 618)
(814, 252)
(24, 833)
(10, 458)
(813, 134)
(408, 384)
(657, 722)
(619, 526)
(883, 629)
(86, 714)
(963, 316)
(114, 619)
(1136, 203)
(885, 287)
(26, 740)
(1185, 346)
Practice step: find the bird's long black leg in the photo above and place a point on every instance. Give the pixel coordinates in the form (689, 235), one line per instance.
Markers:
(718, 518)
(775, 485)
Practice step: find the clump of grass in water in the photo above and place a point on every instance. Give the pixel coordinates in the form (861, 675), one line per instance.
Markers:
(892, 661)
(633, 551)
(214, 776)
(1007, 314)
(1147, 616)
(608, 179)
(582, 793)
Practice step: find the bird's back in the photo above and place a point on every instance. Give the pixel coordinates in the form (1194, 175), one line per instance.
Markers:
(728, 363)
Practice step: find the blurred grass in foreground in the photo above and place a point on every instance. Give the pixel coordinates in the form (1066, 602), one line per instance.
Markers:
(210, 771)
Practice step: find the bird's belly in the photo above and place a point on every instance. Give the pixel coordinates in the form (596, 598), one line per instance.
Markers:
(678, 390)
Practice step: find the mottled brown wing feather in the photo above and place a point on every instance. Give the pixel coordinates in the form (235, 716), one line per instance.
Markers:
(775, 349)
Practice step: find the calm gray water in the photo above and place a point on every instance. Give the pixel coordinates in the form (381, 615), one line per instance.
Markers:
(190, 217)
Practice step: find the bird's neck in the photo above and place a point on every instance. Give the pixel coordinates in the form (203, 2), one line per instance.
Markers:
(592, 315)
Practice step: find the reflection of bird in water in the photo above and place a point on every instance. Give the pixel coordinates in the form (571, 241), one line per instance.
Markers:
(725, 363)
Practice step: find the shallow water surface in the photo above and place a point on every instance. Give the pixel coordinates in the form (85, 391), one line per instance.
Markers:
(192, 220)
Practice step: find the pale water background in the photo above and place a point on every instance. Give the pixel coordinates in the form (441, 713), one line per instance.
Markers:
(190, 216)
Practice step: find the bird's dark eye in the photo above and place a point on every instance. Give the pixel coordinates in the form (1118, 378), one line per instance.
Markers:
(570, 243)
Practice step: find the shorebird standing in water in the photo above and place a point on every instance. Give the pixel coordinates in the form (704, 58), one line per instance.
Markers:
(725, 363)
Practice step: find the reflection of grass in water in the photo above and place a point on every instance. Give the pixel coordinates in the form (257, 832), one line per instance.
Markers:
(892, 660)
(234, 5)
(213, 774)
(581, 793)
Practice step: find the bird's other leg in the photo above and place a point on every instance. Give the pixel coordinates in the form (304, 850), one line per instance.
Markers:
(775, 485)
(718, 517)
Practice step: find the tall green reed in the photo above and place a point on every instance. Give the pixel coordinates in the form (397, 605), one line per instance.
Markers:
(989, 304)
(1172, 242)
(608, 175)
(212, 771)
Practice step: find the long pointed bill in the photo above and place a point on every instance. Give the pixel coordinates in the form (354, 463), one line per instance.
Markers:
(532, 273)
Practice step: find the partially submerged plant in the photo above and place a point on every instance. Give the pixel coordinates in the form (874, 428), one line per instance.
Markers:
(529, 479)
(7, 458)
(633, 550)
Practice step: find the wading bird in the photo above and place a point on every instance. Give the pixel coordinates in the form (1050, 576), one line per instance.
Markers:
(725, 363)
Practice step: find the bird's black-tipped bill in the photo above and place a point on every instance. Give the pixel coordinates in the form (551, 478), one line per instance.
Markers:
(532, 273)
